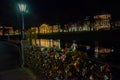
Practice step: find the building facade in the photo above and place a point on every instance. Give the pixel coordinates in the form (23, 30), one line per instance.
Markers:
(102, 21)
(6, 30)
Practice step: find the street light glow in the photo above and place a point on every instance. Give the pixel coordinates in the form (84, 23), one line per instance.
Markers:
(22, 7)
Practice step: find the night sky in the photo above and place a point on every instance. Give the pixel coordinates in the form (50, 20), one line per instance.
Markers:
(55, 11)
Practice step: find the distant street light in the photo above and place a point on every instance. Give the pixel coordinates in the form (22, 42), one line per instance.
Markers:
(22, 8)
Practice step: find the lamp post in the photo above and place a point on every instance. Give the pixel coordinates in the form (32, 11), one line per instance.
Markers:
(22, 8)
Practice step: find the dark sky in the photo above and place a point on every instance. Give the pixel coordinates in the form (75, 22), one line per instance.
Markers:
(55, 11)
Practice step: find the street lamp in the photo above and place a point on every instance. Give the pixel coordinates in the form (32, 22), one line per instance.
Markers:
(22, 7)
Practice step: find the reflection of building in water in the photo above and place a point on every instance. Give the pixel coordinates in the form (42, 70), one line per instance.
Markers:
(103, 51)
(102, 21)
(46, 42)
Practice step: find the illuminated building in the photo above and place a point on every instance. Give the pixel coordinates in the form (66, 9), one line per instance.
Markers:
(44, 28)
(73, 27)
(86, 24)
(35, 29)
(56, 28)
(8, 30)
(102, 21)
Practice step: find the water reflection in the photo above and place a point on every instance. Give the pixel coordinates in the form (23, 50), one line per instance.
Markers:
(46, 42)
(98, 51)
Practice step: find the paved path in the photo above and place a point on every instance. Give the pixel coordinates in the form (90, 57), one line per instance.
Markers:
(17, 74)
(10, 61)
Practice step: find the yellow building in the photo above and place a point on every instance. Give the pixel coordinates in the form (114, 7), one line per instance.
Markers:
(56, 28)
(8, 30)
(102, 21)
(35, 29)
(44, 28)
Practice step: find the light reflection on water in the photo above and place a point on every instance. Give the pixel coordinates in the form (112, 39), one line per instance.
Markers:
(51, 42)
(46, 42)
